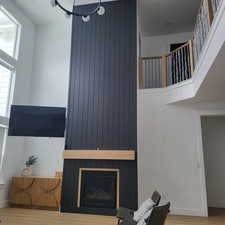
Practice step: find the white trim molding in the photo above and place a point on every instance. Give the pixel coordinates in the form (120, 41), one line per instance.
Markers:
(187, 212)
(201, 163)
(7, 61)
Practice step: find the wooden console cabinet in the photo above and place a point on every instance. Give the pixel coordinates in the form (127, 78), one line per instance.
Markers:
(36, 192)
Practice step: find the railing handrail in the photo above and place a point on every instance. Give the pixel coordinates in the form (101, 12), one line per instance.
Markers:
(164, 63)
(167, 54)
(177, 49)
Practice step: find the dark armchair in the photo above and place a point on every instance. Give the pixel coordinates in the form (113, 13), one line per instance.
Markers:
(158, 216)
(127, 214)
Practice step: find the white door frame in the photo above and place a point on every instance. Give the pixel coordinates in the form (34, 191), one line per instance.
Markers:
(201, 165)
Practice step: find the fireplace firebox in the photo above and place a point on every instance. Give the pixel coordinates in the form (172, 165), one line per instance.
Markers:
(98, 188)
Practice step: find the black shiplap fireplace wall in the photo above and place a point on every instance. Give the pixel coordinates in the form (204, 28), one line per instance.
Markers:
(102, 106)
(102, 96)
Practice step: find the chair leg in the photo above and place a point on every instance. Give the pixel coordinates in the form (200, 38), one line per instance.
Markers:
(118, 222)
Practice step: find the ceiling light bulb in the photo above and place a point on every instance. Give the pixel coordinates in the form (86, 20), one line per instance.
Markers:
(86, 18)
(101, 11)
(53, 3)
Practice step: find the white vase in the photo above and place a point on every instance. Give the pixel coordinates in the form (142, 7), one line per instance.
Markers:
(27, 171)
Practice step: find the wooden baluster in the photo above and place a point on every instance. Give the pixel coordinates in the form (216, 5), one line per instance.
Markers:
(188, 63)
(191, 56)
(164, 71)
(210, 11)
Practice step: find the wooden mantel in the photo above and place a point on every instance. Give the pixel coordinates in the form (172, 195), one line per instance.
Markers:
(100, 154)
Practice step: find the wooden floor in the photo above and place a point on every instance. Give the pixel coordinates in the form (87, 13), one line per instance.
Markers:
(12, 216)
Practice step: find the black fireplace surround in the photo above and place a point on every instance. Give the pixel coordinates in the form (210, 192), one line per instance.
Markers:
(70, 187)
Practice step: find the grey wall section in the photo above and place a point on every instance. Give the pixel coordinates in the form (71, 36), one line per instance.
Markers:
(102, 97)
(213, 134)
(102, 107)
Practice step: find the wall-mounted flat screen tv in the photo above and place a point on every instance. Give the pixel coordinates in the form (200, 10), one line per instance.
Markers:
(37, 121)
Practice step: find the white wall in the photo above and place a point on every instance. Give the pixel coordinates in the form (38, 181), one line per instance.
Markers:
(160, 45)
(49, 152)
(1, 141)
(168, 153)
(213, 134)
(50, 78)
(15, 146)
(49, 87)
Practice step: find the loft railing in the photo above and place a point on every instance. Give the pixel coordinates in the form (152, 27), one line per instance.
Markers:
(169, 69)
(179, 65)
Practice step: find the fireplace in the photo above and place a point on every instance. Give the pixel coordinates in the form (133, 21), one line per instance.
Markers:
(84, 192)
(98, 188)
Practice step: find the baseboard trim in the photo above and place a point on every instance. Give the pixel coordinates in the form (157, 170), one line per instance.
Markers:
(220, 205)
(4, 204)
(187, 212)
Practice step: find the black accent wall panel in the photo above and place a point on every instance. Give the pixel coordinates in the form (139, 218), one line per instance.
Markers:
(102, 95)
(102, 106)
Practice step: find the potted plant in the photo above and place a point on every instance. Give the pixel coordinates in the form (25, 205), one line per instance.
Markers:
(27, 171)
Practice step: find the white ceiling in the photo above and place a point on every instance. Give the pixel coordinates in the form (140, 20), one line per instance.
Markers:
(159, 17)
(41, 12)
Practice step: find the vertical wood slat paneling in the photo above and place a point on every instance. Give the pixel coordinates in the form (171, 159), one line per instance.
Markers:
(102, 98)
(102, 105)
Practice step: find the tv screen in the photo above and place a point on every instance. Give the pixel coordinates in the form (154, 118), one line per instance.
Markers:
(37, 121)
